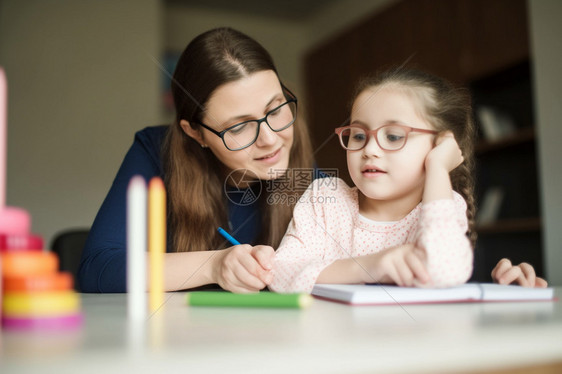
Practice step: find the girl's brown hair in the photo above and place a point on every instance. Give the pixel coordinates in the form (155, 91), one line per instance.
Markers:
(194, 177)
(447, 108)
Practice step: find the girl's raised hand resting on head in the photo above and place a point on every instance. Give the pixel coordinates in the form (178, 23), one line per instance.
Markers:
(446, 153)
(523, 274)
(243, 268)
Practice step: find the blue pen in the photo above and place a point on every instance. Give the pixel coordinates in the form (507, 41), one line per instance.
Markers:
(228, 237)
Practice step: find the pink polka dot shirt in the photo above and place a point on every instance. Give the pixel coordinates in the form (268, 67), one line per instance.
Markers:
(327, 226)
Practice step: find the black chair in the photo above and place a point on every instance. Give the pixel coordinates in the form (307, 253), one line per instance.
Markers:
(68, 245)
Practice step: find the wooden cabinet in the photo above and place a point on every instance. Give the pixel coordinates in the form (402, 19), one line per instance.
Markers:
(481, 44)
(508, 164)
(494, 35)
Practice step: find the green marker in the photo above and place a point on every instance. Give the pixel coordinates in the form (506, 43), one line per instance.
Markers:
(257, 300)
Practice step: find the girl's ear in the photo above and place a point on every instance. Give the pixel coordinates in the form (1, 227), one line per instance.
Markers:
(191, 132)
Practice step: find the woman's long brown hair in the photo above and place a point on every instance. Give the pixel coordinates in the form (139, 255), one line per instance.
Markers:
(194, 178)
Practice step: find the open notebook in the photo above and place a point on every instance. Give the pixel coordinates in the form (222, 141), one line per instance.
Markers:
(366, 294)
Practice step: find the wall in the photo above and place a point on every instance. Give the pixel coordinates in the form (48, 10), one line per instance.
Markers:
(546, 43)
(81, 81)
(283, 39)
(286, 40)
(339, 16)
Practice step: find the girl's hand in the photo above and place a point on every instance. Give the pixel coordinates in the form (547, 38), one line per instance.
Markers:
(403, 265)
(446, 153)
(244, 269)
(522, 274)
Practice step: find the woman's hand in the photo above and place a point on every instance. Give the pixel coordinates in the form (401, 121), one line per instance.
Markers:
(243, 268)
(446, 153)
(403, 265)
(522, 274)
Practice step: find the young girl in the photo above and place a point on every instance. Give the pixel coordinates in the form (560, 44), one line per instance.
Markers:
(407, 222)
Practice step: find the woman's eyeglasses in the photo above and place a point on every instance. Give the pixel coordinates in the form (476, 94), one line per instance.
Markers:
(389, 137)
(244, 134)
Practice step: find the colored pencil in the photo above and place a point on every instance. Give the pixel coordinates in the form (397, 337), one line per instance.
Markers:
(156, 241)
(255, 300)
(136, 248)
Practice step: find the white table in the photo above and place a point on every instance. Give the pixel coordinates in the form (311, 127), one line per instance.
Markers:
(327, 337)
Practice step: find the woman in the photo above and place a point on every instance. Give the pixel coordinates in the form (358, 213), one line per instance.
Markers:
(236, 133)
(235, 122)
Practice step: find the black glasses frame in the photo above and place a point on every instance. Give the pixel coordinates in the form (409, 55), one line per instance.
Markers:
(291, 98)
(373, 133)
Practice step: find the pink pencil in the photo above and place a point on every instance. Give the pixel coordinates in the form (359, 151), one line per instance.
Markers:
(13, 221)
(3, 135)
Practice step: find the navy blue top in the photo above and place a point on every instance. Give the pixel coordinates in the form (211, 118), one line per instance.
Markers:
(103, 264)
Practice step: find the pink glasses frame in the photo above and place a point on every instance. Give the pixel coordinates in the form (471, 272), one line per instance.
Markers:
(373, 133)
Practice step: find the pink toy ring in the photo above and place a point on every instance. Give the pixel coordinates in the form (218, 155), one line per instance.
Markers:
(16, 243)
(43, 323)
(14, 221)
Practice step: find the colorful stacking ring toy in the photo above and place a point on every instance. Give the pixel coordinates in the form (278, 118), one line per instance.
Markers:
(17, 264)
(39, 283)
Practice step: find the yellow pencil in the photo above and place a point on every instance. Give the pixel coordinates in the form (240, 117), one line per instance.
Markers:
(156, 241)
